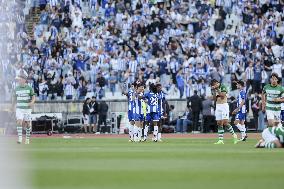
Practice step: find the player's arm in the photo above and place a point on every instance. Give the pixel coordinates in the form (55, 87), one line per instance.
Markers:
(280, 99)
(222, 92)
(32, 94)
(32, 101)
(239, 108)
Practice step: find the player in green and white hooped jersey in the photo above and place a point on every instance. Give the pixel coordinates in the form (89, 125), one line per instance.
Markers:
(24, 99)
(271, 92)
(272, 137)
(219, 92)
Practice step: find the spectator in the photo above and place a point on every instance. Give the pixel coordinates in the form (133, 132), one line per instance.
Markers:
(219, 24)
(69, 91)
(101, 82)
(86, 114)
(112, 82)
(103, 111)
(180, 83)
(82, 89)
(209, 123)
(249, 74)
(255, 107)
(183, 122)
(93, 109)
(257, 77)
(43, 89)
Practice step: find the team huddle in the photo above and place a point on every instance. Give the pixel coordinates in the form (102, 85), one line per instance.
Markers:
(145, 108)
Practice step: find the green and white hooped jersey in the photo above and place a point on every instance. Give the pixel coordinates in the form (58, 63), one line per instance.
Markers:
(278, 132)
(23, 95)
(273, 92)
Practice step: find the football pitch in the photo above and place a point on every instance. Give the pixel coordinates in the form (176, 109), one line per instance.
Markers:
(176, 163)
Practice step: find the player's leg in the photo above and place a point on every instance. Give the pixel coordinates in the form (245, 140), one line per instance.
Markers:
(277, 118)
(231, 130)
(131, 126)
(146, 130)
(155, 132)
(218, 116)
(156, 128)
(27, 122)
(160, 124)
(19, 123)
(138, 124)
(225, 118)
(136, 128)
(270, 118)
(240, 124)
(243, 131)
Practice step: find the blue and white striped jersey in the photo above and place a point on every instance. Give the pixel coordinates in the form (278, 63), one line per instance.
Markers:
(241, 97)
(138, 103)
(131, 101)
(153, 101)
(161, 100)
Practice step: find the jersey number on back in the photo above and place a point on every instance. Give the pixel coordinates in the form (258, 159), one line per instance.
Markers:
(153, 101)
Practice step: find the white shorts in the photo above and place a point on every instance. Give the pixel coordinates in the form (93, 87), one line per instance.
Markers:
(275, 115)
(24, 114)
(86, 120)
(222, 111)
(268, 136)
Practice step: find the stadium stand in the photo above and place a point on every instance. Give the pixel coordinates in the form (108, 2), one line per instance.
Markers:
(80, 48)
(72, 49)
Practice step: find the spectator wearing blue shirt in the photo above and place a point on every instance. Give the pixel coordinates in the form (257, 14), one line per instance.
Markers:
(183, 122)
(112, 82)
(80, 63)
(163, 65)
(257, 77)
(180, 83)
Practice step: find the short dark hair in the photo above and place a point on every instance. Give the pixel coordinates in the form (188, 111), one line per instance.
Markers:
(274, 75)
(214, 81)
(242, 83)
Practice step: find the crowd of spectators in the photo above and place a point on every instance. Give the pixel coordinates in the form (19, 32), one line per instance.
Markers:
(86, 48)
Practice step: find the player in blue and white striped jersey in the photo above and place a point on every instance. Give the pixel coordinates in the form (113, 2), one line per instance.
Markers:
(153, 111)
(240, 111)
(139, 114)
(161, 109)
(131, 109)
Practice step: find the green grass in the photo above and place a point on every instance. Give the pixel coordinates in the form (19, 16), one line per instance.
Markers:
(176, 163)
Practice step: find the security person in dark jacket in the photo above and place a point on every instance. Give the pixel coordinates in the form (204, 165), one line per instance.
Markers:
(93, 108)
(195, 103)
(86, 113)
(103, 110)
